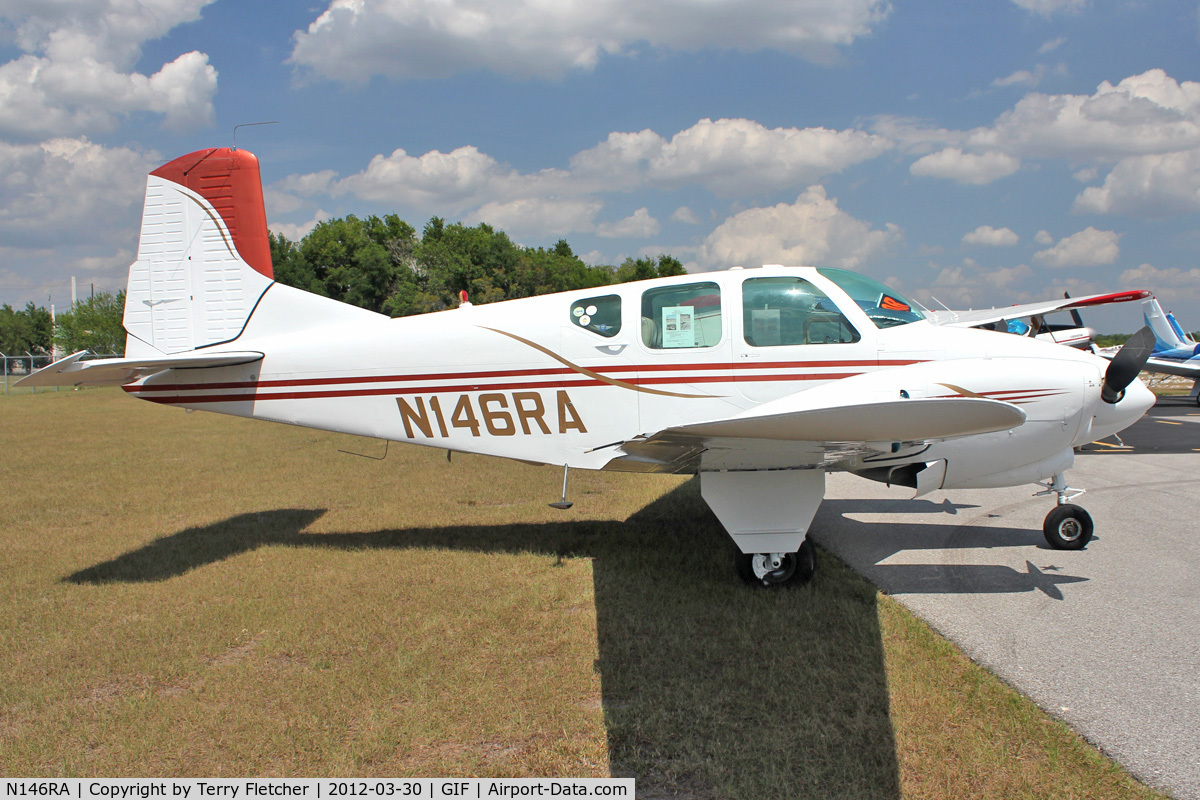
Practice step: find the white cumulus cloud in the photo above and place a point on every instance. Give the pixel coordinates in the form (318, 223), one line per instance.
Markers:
(457, 179)
(1147, 276)
(64, 202)
(685, 215)
(1142, 132)
(1051, 45)
(536, 216)
(1170, 284)
(1152, 185)
(991, 237)
(70, 190)
(1048, 7)
(1146, 113)
(1088, 248)
(811, 231)
(972, 168)
(638, 225)
(352, 40)
(74, 76)
(728, 157)
(297, 231)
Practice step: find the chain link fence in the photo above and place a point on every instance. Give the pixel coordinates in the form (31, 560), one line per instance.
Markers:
(17, 366)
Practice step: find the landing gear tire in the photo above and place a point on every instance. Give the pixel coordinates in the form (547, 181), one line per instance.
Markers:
(774, 570)
(1068, 527)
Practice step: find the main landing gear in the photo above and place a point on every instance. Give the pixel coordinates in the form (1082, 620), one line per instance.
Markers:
(779, 569)
(1067, 526)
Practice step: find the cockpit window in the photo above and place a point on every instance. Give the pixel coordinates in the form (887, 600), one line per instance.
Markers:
(789, 311)
(886, 307)
(600, 315)
(687, 315)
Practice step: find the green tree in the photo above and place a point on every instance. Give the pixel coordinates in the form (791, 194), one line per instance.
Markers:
(380, 263)
(641, 269)
(93, 324)
(356, 261)
(289, 267)
(25, 331)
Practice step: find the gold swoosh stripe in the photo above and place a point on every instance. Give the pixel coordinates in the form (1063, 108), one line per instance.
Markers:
(962, 391)
(594, 375)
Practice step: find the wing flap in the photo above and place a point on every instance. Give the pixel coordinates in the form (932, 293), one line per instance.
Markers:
(73, 371)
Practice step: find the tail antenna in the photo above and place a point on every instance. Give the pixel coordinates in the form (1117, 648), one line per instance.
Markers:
(247, 125)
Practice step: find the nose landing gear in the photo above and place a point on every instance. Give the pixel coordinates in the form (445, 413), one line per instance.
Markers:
(1067, 526)
(779, 569)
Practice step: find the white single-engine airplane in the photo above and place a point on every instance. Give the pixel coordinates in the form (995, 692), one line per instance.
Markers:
(760, 380)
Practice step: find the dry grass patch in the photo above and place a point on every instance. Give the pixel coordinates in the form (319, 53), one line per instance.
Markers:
(194, 595)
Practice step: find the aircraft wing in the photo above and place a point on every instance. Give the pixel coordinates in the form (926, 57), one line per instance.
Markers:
(1166, 366)
(73, 371)
(970, 319)
(1163, 366)
(815, 436)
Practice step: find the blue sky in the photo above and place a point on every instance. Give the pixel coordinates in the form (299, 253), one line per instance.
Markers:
(980, 153)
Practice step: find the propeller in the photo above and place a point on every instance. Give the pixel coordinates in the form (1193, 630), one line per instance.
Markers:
(1076, 317)
(1126, 365)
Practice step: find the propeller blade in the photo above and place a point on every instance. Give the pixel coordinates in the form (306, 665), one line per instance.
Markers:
(1076, 317)
(1126, 365)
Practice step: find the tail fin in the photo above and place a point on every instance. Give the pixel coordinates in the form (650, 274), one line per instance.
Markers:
(204, 259)
(1183, 337)
(1165, 335)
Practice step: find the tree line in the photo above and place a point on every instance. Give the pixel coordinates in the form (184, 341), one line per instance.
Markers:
(377, 263)
(381, 264)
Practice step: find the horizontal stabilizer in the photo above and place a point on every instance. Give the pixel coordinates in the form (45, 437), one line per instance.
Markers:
(72, 371)
(899, 420)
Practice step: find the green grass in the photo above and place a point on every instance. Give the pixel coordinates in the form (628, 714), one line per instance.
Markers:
(194, 595)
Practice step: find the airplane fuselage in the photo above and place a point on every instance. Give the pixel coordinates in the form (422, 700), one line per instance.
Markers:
(525, 379)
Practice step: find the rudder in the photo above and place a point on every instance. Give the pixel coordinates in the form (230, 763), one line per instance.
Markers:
(204, 258)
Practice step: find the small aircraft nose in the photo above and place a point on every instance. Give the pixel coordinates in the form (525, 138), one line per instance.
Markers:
(1112, 418)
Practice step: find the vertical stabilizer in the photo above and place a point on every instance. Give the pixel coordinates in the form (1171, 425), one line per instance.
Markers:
(1175, 326)
(1166, 339)
(204, 258)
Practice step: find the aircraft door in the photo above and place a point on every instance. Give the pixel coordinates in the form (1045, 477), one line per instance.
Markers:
(684, 355)
(790, 336)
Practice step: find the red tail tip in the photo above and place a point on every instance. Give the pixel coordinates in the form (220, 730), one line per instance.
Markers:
(229, 180)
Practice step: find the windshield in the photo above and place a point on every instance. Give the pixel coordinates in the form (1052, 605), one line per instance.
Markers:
(886, 307)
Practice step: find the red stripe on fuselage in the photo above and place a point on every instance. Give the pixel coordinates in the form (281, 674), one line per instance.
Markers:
(254, 395)
(614, 369)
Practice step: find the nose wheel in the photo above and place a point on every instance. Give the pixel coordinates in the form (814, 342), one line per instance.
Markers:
(1067, 526)
(778, 569)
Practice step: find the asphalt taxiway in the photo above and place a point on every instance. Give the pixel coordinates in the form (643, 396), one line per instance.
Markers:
(1107, 638)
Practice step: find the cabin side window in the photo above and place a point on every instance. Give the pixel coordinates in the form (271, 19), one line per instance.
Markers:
(687, 315)
(790, 311)
(600, 315)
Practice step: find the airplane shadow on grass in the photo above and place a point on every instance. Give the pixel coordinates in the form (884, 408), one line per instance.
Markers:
(709, 688)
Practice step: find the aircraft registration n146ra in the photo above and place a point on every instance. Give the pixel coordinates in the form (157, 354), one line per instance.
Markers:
(760, 380)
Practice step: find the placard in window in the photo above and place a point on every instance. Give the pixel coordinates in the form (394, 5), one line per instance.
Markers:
(678, 326)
